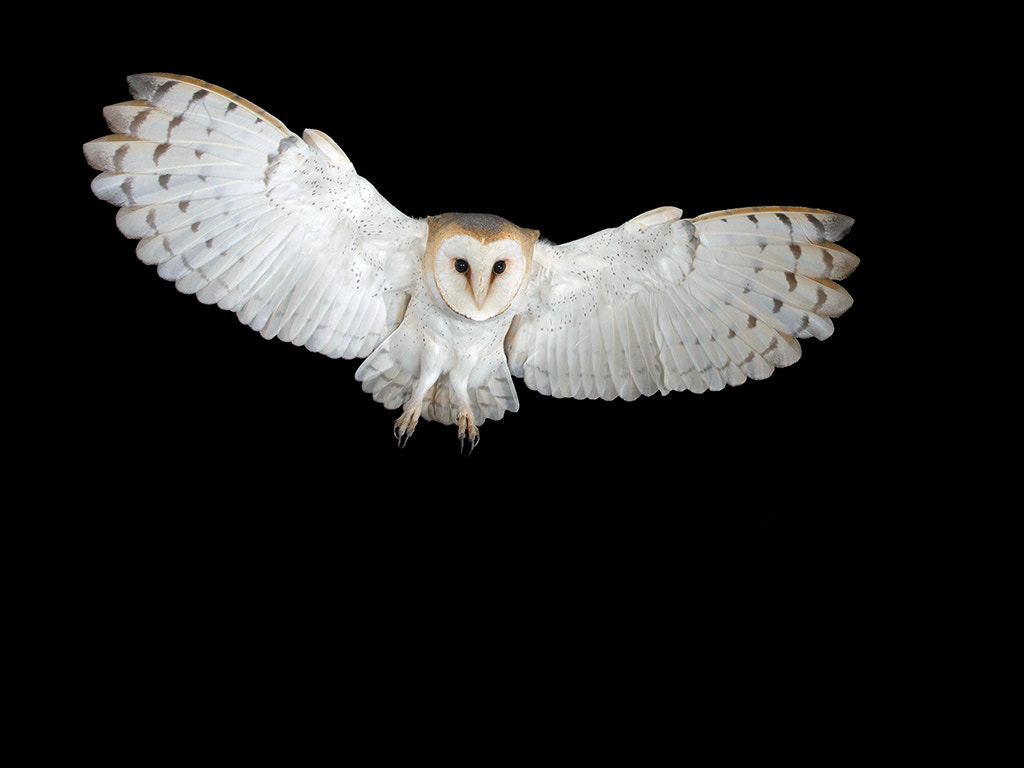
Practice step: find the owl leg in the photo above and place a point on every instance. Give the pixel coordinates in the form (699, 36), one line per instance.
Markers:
(430, 370)
(405, 424)
(464, 412)
(467, 429)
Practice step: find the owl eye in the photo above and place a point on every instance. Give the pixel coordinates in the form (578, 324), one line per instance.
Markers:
(499, 267)
(461, 265)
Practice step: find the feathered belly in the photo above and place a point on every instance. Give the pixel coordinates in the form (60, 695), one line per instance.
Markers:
(444, 363)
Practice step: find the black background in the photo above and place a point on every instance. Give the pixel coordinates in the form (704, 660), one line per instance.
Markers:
(213, 473)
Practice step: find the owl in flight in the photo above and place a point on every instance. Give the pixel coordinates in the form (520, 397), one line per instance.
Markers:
(237, 209)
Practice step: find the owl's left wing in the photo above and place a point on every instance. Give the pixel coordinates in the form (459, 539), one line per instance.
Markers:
(238, 210)
(665, 304)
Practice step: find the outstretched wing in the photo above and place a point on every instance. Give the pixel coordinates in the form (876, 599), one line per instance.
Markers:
(664, 303)
(240, 211)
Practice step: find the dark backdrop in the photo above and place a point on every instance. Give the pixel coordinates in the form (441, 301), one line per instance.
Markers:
(205, 455)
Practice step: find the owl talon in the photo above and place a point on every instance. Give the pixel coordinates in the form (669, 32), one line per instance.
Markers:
(405, 425)
(467, 429)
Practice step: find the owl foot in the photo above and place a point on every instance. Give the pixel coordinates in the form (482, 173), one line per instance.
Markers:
(467, 428)
(405, 424)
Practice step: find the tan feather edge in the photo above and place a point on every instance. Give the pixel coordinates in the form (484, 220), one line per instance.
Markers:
(261, 113)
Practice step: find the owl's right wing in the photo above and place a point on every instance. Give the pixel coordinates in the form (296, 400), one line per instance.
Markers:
(665, 304)
(237, 209)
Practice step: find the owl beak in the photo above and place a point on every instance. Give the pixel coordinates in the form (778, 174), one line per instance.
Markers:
(481, 284)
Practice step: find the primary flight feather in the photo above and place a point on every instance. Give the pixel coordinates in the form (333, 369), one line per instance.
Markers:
(237, 209)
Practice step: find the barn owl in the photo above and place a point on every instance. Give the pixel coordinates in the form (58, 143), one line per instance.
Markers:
(280, 229)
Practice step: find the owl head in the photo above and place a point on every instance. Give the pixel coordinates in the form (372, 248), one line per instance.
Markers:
(477, 261)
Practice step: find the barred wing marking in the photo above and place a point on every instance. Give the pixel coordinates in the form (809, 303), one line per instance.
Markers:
(237, 209)
(664, 304)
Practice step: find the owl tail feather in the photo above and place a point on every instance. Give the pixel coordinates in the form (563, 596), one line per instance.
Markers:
(490, 400)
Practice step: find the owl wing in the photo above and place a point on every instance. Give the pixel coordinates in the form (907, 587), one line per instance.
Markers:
(665, 304)
(240, 211)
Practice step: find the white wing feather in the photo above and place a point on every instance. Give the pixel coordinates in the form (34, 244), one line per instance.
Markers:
(664, 304)
(237, 209)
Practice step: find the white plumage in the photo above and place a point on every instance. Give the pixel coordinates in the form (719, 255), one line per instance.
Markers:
(663, 304)
(237, 209)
